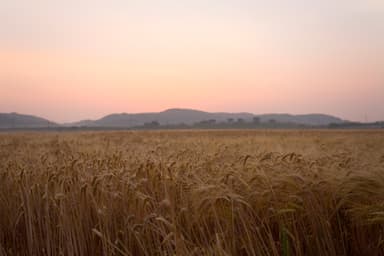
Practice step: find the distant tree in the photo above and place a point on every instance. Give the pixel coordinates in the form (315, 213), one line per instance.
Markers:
(152, 124)
(240, 120)
(272, 121)
(230, 120)
(256, 120)
(208, 122)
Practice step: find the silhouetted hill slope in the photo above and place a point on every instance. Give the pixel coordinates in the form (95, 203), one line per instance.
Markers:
(14, 120)
(190, 116)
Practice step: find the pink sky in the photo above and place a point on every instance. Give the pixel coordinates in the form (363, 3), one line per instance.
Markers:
(67, 62)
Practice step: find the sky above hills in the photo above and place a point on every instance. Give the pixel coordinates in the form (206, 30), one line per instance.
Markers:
(69, 60)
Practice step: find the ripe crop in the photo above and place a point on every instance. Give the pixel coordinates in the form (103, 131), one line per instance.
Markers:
(192, 193)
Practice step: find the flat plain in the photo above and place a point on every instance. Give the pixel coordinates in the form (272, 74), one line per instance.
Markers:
(238, 192)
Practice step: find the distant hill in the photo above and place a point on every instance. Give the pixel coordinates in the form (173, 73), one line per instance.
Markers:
(14, 120)
(175, 116)
(190, 116)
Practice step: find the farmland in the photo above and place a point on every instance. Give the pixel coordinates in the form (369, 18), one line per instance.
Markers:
(238, 192)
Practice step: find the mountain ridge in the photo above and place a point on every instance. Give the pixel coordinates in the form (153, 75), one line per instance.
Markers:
(172, 116)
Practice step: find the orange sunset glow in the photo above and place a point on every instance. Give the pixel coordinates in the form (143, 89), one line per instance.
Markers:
(73, 60)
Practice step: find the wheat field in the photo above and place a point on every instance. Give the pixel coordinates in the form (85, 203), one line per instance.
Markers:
(192, 193)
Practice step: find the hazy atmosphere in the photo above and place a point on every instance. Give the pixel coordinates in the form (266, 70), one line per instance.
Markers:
(204, 127)
(71, 60)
